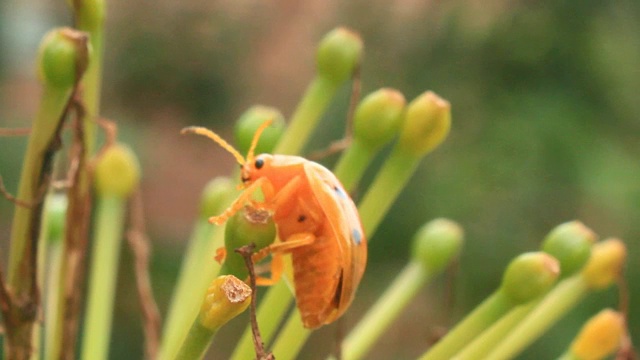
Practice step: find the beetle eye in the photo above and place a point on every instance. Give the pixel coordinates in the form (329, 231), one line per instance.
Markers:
(259, 163)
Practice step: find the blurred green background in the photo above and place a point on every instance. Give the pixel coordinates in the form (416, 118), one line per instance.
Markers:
(546, 129)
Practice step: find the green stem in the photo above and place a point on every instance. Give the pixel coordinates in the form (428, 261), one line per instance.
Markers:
(26, 226)
(569, 356)
(53, 301)
(384, 311)
(48, 118)
(110, 213)
(198, 270)
(353, 163)
(91, 19)
(386, 187)
(557, 303)
(483, 344)
(482, 317)
(306, 116)
(196, 343)
(291, 339)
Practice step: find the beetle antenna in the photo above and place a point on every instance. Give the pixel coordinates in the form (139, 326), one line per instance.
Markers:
(215, 137)
(256, 137)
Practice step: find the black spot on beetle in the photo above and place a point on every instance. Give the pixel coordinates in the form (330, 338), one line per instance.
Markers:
(302, 218)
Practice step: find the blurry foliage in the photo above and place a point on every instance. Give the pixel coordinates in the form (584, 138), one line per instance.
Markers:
(545, 129)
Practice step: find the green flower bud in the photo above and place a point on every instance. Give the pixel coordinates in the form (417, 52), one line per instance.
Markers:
(216, 197)
(247, 226)
(529, 275)
(338, 55)
(606, 262)
(117, 172)
(378, 117)
(570, 243)
(426, 124)
(63, 57)
(249, 122)
(56, 212)
(437, 243)
(226, 298)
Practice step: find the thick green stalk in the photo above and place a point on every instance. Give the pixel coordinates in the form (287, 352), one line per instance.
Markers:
(386, 309)
(196, 343)
(198, 269)
(603, 268)
(89, 17)
(306, 116)
(486, 313)
(483, 344)
(49, 262)
(53, 299)
(527, 277)
(225, 298)
(48, 118)
(63, 54)
(394, 175)
(109, 226)
(198, 266)
(569, 356)
(292, 338)
(353, 163)
(562, 298)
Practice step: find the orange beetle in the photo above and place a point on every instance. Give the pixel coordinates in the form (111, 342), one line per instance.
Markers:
(317, 222)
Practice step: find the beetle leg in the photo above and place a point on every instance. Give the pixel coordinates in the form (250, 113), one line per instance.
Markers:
(277, 267)
(292, 242)
(221, 254)
(277, 264)
(237, 203)
(267, 192)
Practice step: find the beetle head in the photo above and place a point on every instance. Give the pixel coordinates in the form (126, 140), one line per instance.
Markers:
(250, 165)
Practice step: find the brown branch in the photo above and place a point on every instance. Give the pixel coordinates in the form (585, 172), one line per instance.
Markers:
(28, 204)
(18, 131)
(6, 300)
(15, 131)
(627, 351)
(76, 239)
(140, 246)
(246, 252)
(77, 225)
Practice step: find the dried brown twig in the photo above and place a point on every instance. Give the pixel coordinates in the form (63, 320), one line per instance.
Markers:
(140, 246)
(246, 252)
(26, 203)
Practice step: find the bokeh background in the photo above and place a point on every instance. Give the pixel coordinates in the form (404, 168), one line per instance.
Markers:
(546, 129)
